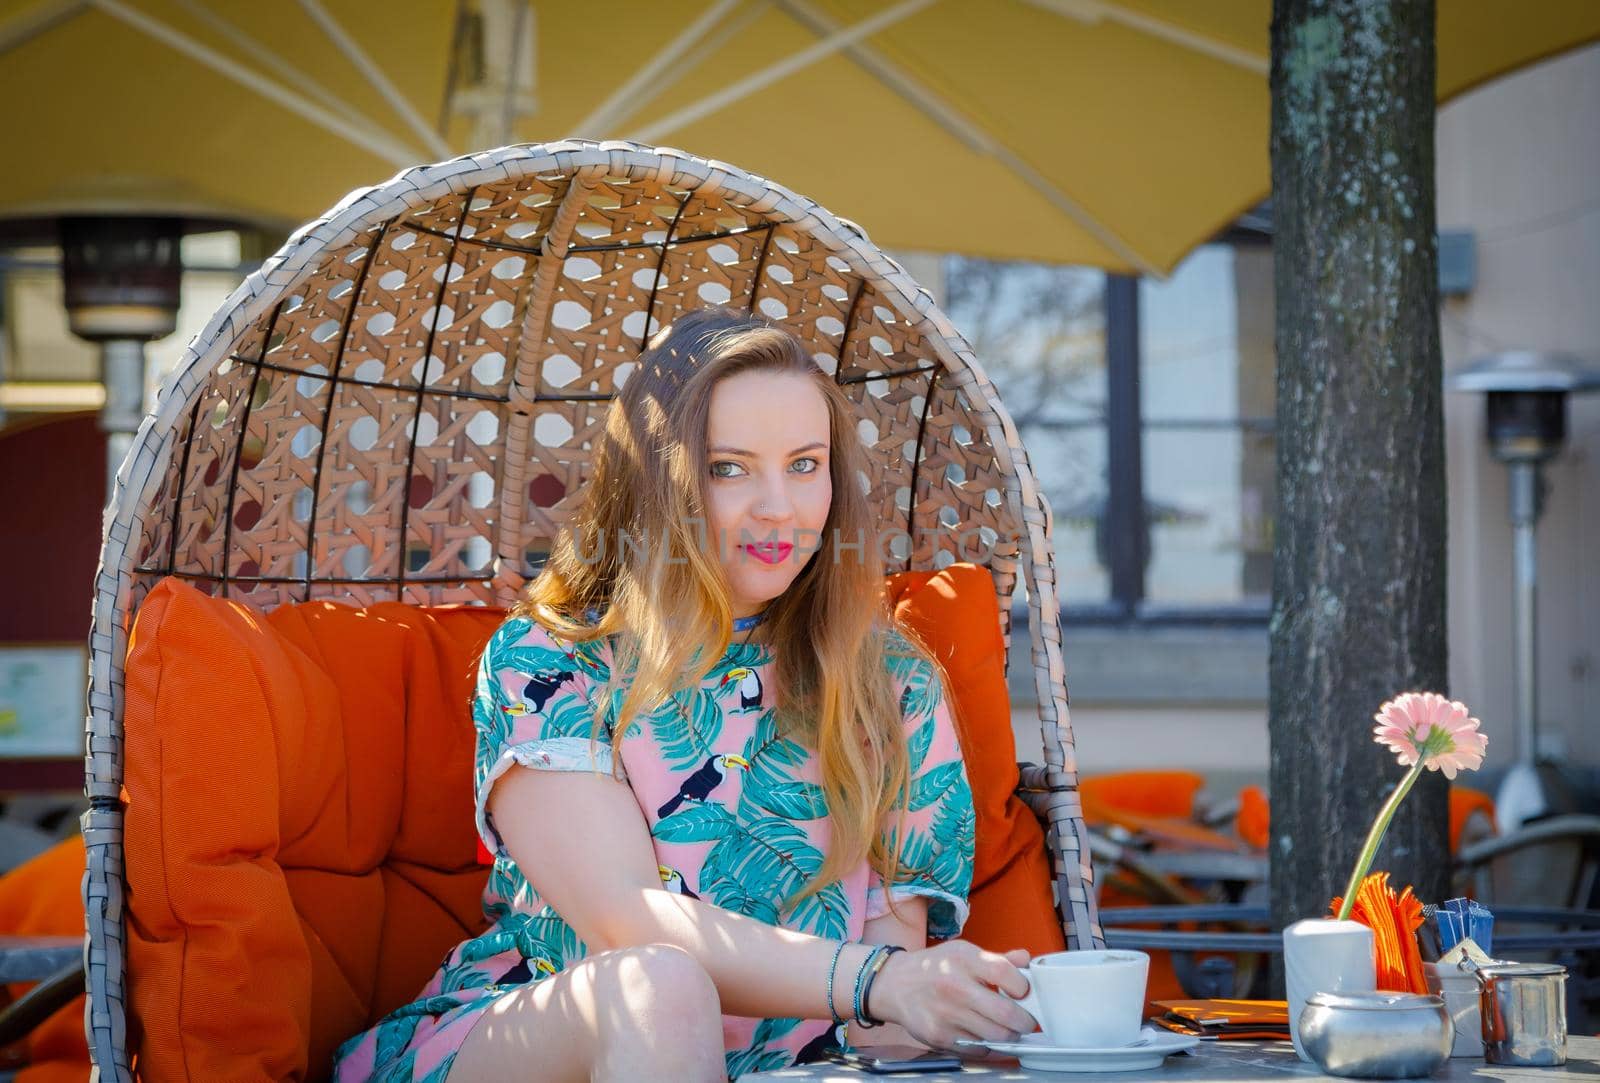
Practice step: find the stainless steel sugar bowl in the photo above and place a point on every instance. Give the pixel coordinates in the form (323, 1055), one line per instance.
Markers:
(1524, 1011)
(1376, 1035)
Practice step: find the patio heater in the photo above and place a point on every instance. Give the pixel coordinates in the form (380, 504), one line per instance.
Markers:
(1526, 395)
(121, 277)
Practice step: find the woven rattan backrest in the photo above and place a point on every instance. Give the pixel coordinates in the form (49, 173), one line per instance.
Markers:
(401, 404)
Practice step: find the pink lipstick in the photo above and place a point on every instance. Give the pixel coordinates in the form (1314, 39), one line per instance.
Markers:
(770, 552)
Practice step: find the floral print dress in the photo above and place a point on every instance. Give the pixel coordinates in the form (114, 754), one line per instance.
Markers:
(736, 815)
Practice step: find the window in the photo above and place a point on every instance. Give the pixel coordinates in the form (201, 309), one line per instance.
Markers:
(1147, 411)
(1040, 333)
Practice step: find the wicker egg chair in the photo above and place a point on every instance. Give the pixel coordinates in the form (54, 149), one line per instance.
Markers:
(400, 403)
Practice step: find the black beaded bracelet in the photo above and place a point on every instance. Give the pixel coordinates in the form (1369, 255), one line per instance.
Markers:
(866, 1017)
(869, 966)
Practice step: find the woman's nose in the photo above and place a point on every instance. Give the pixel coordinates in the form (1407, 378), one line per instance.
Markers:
(774, 504)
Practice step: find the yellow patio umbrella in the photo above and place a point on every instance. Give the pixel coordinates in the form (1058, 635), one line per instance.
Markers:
(1118, 133)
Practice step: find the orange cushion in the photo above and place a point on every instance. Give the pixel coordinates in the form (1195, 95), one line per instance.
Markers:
(291, 859)
(43, 897)
(1466, 803)
(955, 614)
(299, 842)
(1146, 793)
(1254, 821)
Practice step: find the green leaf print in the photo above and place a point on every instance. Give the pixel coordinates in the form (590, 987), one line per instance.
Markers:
(755, 866)
(765, 746)
(954, 823)
(933, 785)
(505, 884)
(756, 1057)
(737, 897)
(916, 852)
(399, 1072)
(393, 1037)
(534, 660)
(484, 711)
(739, 656)
(686, 727)
(434, 1005)
(742, 1061)
(770, 1030)
(547, 936)
(545, 940)
(493, 727)
(905, 665)
(955, 818)
(951, 871)
(494, 942)
(567, 716)
(404, 1070)
(611, 708)
(791, 800)
(917, 746)
(695, 822)
(825, 914)
(765, 854)
(590, 659)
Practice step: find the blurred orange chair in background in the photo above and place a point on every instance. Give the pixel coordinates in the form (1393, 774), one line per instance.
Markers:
(41, 898)
(1471, 817)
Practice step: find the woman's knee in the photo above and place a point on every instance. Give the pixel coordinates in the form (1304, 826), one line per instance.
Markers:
(662, 1010)
(665, 980)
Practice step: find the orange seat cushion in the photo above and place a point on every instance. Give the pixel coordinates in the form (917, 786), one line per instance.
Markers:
(299, 835)
(1144, 793)
(1466, 803)
(299, 842)
(1254, 821)
(955, 614)
(43, 897)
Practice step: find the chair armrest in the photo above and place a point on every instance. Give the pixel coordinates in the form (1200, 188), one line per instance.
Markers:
(1563, 828)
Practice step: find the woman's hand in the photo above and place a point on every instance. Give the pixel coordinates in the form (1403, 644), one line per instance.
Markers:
(947, 992)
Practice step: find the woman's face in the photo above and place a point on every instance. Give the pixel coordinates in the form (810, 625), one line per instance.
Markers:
(768, 489)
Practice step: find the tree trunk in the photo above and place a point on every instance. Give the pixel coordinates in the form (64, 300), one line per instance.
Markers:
(1358, 610)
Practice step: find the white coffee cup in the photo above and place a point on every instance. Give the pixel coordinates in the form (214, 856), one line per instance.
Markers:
(1088, 999)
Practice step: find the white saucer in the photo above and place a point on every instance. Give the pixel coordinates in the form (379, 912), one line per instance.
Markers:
(1155, 1044)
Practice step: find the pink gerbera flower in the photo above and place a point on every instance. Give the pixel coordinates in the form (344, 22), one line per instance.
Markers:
(1426, 727)
(1425, 730)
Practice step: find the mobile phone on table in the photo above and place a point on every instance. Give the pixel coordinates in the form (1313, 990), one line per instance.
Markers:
(887, 1059)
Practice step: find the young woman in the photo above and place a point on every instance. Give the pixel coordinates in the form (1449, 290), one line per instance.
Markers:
(724, 794)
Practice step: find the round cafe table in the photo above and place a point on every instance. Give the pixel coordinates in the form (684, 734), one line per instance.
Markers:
(1212, 1062)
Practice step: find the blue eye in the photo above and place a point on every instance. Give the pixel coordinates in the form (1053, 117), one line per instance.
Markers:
(718, 472)
(807, 465)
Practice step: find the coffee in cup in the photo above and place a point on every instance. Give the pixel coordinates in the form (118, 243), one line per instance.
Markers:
(1088, 999)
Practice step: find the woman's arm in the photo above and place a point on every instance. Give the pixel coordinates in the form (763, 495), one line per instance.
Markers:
(585, 848)
(907, 926)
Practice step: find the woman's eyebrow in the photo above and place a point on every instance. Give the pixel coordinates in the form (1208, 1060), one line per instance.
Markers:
(751, 455)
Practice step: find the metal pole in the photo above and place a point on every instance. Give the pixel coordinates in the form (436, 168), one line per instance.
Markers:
(1531, 789)
(1524, 516)
(122, 365)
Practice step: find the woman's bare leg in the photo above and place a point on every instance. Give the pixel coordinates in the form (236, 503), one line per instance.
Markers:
(636, 1013)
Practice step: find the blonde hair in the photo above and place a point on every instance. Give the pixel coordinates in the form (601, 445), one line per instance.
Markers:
(668, 600)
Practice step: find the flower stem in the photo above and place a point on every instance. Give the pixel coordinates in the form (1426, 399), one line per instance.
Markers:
(1369, 849)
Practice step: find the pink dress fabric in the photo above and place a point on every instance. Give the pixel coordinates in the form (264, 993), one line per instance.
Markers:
(737, 819)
